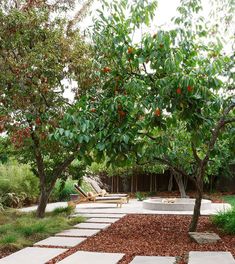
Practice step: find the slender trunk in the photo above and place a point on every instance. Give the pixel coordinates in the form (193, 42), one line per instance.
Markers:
(117, 178)
(136, 183)
(43, 200)
(170, 183)
(180, 183)
(156, 183)
(132, 183)
(151, 183)
(197, 206)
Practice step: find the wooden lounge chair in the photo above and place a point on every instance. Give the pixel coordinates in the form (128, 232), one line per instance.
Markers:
(84, 197)
(101, 192)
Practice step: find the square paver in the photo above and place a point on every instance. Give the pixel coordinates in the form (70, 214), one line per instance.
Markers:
(92, 225)
(102, 220)
(35, 255)
(153, 260)
(60, 241)
(92, 258)
(204, 238)
(100, 215)
(210, 257)
(78, 232)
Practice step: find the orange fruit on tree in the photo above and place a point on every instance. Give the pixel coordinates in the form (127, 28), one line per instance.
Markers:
(130, 50)
(178, 91)
(157, 112)
(106, 69)
(189, 88)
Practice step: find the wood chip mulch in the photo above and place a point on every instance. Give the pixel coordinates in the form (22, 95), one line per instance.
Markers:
(158, 235)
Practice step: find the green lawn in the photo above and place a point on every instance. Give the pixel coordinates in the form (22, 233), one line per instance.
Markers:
(18, 230)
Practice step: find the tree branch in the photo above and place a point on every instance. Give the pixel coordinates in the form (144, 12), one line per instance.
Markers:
(147, 135)
(195, 153)
(215, 133)
(62, 166)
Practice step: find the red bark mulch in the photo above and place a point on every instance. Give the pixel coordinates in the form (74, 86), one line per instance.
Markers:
(158, 235)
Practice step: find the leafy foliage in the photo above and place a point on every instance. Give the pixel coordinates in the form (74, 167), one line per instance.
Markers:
(40, 55)
(225, 221)
(18, 185)
(165, 98)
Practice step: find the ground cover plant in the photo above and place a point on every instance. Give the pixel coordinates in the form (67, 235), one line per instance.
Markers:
(18, 230)
(226, 220)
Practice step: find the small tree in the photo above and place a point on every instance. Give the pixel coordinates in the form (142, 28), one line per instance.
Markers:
(39, 57)
(168, 89)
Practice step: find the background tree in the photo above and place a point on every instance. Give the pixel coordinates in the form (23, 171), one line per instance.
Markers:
(171, 88)
(39, 58)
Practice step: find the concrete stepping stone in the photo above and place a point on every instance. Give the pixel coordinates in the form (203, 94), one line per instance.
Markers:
(102, 220)
(91, 215)
(204, 238)
(210, 257)
(60, 241)
(78, 232)
(92, 257)
(153, 260)
(92, 225)
(35, 255)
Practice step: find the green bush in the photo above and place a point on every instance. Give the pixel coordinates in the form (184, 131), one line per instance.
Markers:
(62, 190)
(140, 196)
(230, 199)
(18, 184)
(225, 221)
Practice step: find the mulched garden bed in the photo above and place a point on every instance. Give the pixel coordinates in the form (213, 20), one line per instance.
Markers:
(159, 235)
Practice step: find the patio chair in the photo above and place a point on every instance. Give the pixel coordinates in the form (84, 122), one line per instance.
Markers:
(102, 192)
(90, 197)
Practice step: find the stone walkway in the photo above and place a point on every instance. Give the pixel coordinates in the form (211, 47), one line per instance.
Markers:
(101, 216)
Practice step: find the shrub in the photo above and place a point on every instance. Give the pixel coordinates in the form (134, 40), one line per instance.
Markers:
(225, 221)
(140, 196)
(62, 190)
(18, 184)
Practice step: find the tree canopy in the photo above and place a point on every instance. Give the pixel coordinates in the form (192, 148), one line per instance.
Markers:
(166, 98)
(39, 58)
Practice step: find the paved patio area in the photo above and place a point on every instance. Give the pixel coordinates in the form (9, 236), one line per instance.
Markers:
(136, 207)
(133, 207)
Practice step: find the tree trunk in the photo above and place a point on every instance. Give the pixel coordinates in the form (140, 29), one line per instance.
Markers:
(136, 183)
(180, 183)
(170, 183)
(197, 206)
(43, 199)
(151, 183)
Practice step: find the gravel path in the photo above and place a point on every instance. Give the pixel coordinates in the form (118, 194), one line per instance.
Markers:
(161, 235)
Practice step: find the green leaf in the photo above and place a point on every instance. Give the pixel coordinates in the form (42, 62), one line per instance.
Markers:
(61, 131)
(100, 146)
